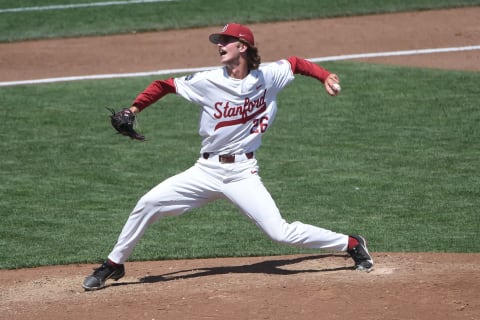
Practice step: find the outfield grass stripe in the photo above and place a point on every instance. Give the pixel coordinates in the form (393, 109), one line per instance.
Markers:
(79, 5)
(189, 70)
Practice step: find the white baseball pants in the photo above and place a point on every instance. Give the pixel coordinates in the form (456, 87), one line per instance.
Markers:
(209, 180)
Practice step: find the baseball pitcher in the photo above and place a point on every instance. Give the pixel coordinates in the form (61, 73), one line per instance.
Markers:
(238, 104)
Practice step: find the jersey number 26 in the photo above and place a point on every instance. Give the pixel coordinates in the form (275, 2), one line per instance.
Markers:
(260, 125)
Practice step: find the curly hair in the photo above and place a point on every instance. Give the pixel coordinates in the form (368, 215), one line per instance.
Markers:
(253, 58)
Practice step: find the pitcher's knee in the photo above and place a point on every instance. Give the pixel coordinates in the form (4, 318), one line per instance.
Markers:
(285, 234)
(159, 208)
(285, 239)
(280, 239)
(145, 204)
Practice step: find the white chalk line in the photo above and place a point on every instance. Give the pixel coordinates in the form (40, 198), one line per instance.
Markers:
(79, 5)
(190, 70)
(395, 53)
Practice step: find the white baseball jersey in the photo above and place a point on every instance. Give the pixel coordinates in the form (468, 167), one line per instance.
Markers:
(235, 112)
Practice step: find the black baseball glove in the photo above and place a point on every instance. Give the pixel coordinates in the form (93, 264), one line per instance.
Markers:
(123, 121)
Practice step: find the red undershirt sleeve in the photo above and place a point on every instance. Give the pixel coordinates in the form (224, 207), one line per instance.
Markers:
(154, 92)
(307, 68)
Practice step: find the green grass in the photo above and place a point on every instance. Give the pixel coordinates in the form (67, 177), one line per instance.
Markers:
(185, 14)
(395, 157)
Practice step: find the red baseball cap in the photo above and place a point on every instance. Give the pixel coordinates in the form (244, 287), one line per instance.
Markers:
(234, 30)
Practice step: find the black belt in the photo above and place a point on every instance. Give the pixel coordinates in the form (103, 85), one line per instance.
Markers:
(227, 158)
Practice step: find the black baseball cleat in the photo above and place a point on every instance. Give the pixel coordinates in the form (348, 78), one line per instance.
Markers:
(106, 271)
(359, 253)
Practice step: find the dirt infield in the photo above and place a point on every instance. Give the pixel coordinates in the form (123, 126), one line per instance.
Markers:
(403, 286)
(309, 39)
(324, 286)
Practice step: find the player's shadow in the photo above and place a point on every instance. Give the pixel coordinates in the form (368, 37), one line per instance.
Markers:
(272, 267)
